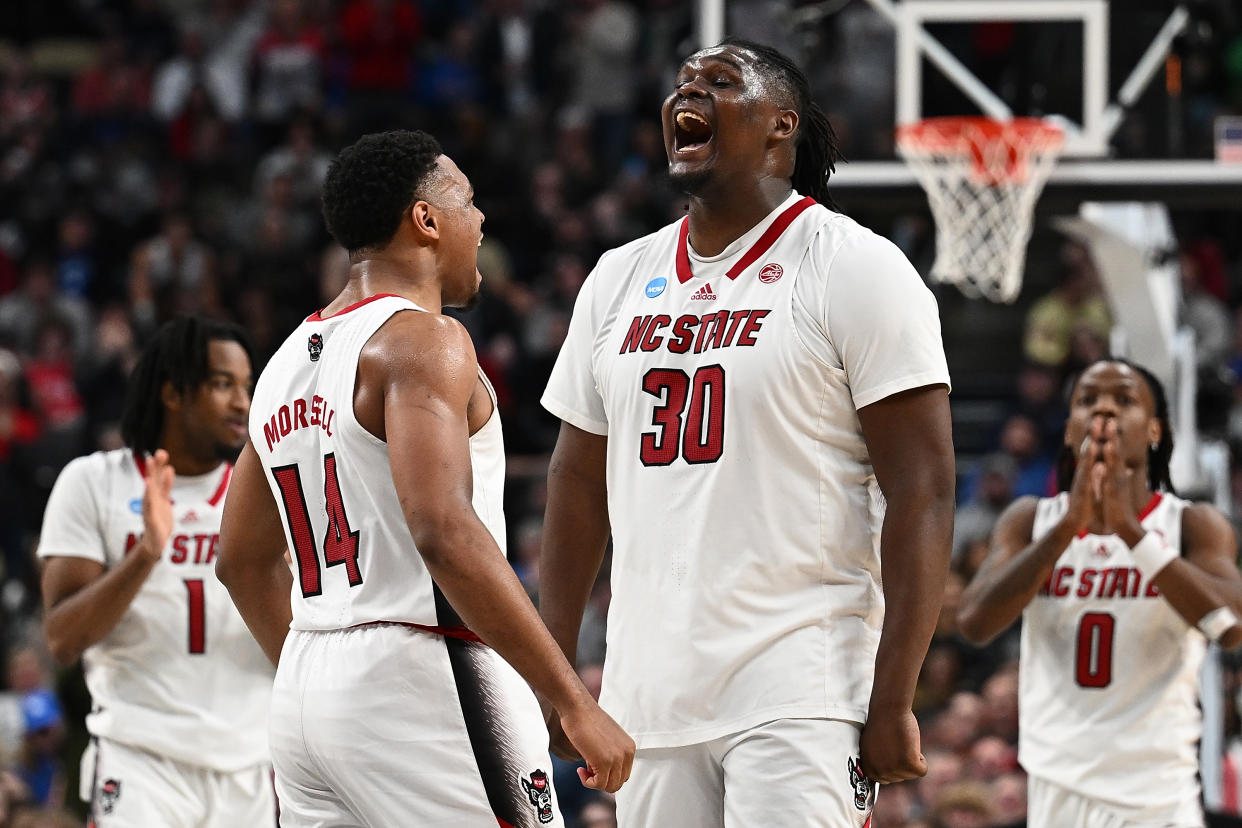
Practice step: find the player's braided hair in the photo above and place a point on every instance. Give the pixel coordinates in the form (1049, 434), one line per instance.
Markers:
(176, 354)
(373, 182)
(1158, 477)
(816, 141)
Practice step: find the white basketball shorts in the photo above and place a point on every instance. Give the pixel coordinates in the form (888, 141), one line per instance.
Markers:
(384, 724)
(1051, 806)
(131, 788)
(788, 773)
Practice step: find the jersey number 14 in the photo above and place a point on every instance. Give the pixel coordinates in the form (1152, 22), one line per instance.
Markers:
(340, 545)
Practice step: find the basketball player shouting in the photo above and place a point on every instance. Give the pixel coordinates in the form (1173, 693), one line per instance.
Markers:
(741, 392)
(179, 689)
(375, 454)
(1112, 577)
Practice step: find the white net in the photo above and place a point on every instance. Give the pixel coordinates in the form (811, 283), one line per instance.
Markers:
(982, 179)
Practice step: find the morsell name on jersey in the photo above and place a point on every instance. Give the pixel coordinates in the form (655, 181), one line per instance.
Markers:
(297, 415)
(721, 329)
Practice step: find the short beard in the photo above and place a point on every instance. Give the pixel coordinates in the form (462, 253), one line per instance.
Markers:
(227, 453)
(692, 183)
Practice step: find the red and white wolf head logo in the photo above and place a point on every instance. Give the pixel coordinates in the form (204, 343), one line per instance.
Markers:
(860, 782)
(540, 794)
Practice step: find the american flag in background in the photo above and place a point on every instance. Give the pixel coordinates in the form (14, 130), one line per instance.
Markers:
(1229, 139)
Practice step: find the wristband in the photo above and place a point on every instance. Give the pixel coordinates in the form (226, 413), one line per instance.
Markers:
(1217, 622)
(1152, 554)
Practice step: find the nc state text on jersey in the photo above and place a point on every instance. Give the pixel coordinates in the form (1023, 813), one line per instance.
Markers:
(198, 548)
(1109, 582)
(721, 329)
(296, 415)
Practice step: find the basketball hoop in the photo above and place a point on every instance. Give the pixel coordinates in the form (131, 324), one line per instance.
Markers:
(982, 179)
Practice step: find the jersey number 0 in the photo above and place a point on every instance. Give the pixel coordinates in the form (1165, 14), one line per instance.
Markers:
(340, 545)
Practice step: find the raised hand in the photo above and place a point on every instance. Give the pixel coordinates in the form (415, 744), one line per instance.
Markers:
(1083, 489)
(157, 511)
(1116, 507)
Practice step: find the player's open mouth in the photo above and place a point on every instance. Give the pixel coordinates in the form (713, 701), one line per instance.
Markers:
(691, 131)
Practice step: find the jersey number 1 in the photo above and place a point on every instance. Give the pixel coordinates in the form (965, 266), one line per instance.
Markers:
(340, 545)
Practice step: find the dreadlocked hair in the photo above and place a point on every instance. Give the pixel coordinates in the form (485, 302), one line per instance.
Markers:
(1158, 458)
(817, 149)
(177, 355)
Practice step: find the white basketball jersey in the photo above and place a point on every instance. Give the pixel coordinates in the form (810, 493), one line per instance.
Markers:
(745, 513)
(1108, 687)
(180, 675)
(356, 562)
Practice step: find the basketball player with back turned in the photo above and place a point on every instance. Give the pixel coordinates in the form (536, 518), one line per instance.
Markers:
(741, 392)
(1119, 583)
(375, 455)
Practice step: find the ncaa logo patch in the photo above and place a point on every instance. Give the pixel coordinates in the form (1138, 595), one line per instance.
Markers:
(656, 286)
(770, 272)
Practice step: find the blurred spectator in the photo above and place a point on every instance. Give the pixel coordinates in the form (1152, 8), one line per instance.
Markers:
(37, 298)
(1204, 312)
(25, 100)
(190, 68)
(301, 160)
(1076, 302)
(600, 812)
(1020, 442)
(172, 273)
(379, 39)
(39, 766)
(997, 476)
(288, 61)
(1008, 793)
(963, 805)
(605, 42)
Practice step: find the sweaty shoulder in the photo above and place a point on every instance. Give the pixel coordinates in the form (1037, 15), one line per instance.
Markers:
(1203, 526)
(415, 341)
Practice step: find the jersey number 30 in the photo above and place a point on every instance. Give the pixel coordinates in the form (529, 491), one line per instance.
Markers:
(699, 401)
(340, 545)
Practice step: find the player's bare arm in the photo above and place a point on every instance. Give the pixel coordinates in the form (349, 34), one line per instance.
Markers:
(426, 367)
(251, 557)
(82, 600)
(909, 438)
(1201, 580)
(1016, 567)
(575, 535)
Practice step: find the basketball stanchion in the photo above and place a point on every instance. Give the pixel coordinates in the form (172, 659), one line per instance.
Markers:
(982, 178)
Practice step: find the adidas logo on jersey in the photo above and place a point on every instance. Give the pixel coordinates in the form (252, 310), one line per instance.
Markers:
(704, 292)
(189, 517)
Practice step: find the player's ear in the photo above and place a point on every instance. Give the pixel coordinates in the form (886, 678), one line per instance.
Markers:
(786, 124)
(1155, 430)
(170, 396)
(425, 220)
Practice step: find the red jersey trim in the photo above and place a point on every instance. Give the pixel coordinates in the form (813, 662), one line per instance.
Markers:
(141, 463)
(464, 633)
(761, 245)
(1142, 515)
(215, 499)
(318, 317)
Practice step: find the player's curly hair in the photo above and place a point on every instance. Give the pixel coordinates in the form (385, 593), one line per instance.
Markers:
(817, 148)
(1158, 477)
(176, 354)
(372, 183)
